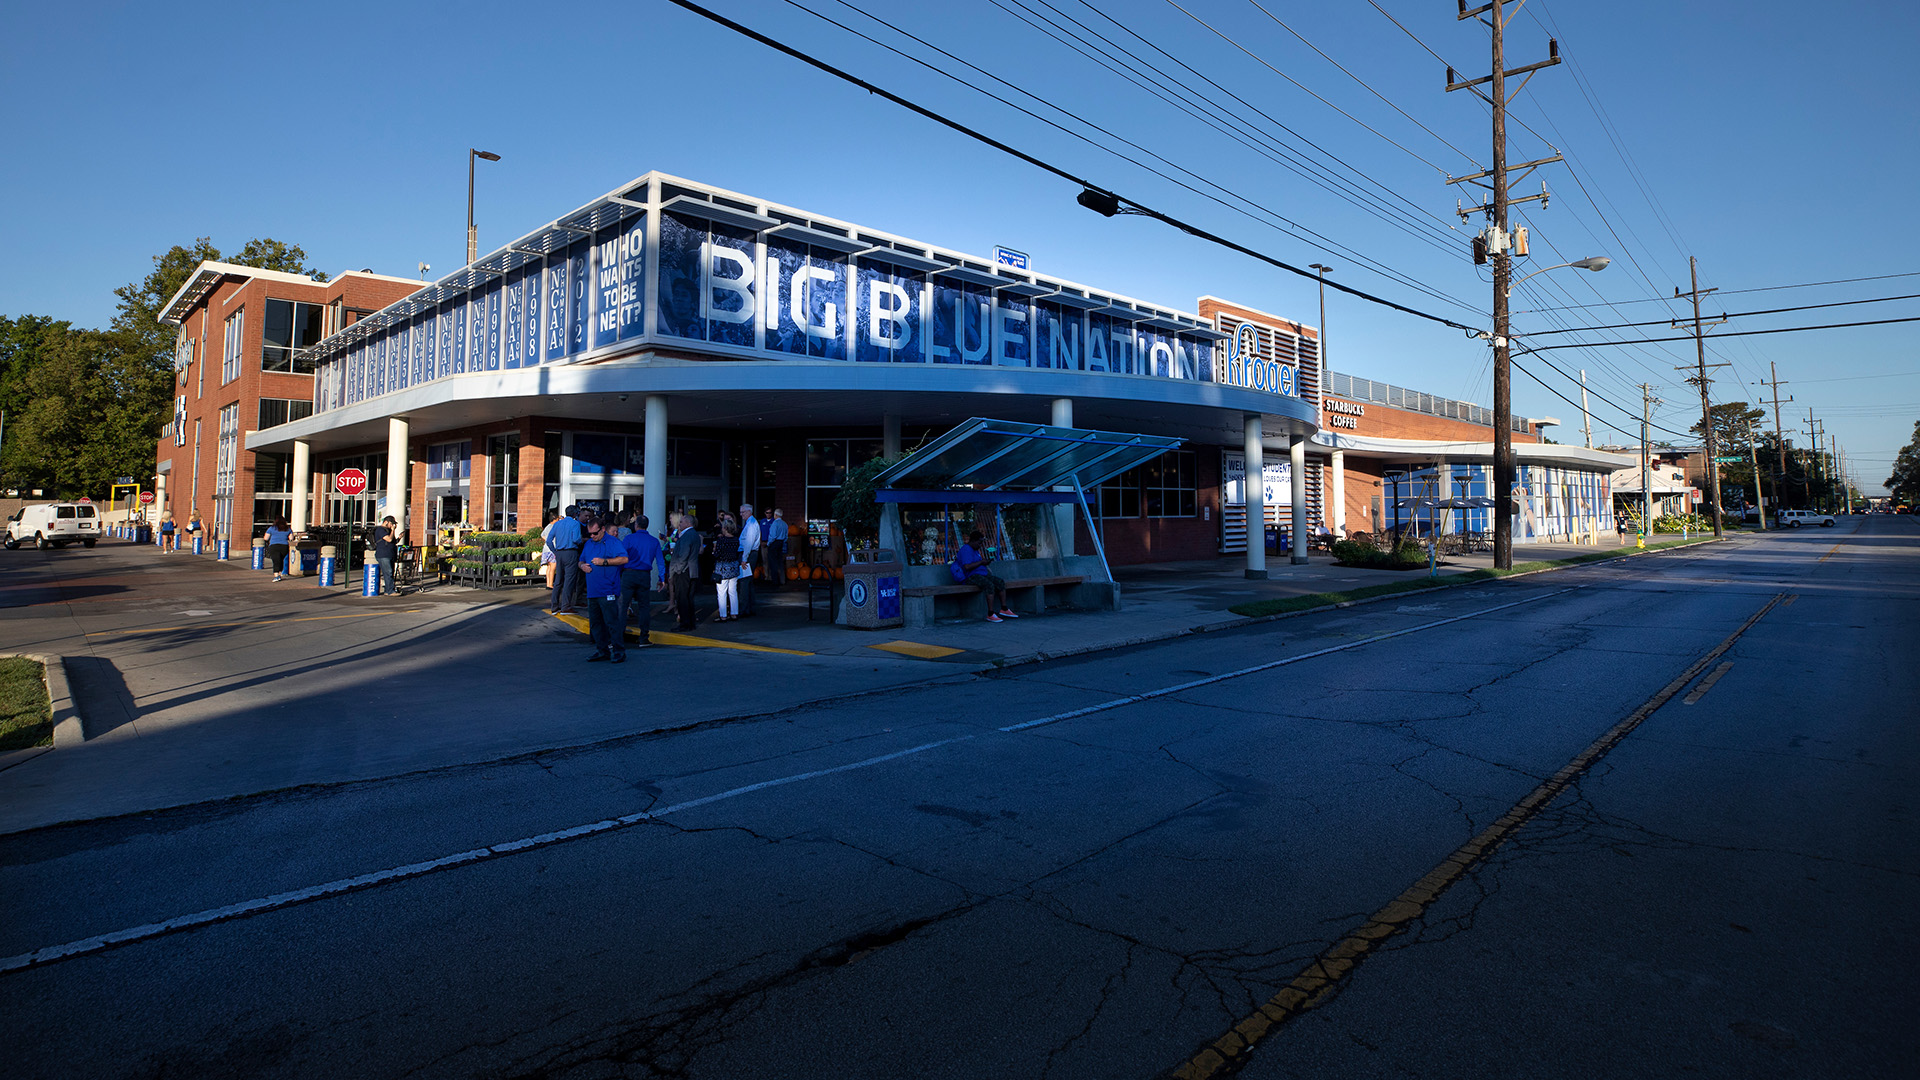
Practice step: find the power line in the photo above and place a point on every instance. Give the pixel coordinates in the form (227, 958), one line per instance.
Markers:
(1090, 192)
(1303, 88)
(1363, 83)
(1734, 292)
(1854, 378)
(1732, 333)
(1746, 314)
(1378, 266)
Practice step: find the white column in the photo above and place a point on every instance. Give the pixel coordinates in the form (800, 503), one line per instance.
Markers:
(1063, 513)
(653, 470)
(890, 532)
(1297, 457)
(302, 483)
(399, 471)
(159, 498)
(1339, 517)
(1443, 484)
(1256, 485)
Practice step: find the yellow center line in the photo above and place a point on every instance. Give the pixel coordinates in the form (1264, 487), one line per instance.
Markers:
(253, 622)
(1320, 978)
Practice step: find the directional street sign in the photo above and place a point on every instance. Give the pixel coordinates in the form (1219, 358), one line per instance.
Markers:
(1728, 460)
(350, 482)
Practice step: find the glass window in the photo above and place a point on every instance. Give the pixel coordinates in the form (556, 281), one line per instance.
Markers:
(1120, 495)
(286, 328)
(230, 352)
(597, 455)
(277, 411)
(1170, 483)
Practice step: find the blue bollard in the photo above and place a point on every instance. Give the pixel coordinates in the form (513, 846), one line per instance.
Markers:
(225, 549)
(370, 580)
(197, 546)
(326, 571)
(259, 555)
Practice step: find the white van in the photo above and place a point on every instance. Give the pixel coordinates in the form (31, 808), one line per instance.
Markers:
(54, 525)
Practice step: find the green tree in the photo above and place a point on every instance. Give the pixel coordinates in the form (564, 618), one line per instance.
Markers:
(1735, 426)
(76, 430)
(1904, 482)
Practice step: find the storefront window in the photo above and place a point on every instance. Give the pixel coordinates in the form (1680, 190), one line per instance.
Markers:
(827, 463)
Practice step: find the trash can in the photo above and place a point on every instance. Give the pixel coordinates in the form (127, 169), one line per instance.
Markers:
(872, 597)
(309, 561)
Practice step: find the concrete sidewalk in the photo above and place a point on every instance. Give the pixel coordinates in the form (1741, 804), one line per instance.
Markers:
(201, 680)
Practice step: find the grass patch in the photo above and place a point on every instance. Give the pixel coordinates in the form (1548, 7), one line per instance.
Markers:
(1281, 605)
(26, 716)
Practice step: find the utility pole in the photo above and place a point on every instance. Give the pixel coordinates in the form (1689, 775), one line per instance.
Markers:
(1647, 402)
(1699, 378)
(1496, 242)
(1779, 437)
(1586, 417)
(1753, 458)
(1813, 456)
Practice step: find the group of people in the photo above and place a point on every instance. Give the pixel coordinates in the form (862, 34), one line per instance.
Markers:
(607, 563)
(169, 533)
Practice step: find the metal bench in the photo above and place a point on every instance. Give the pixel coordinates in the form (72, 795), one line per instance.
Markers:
(1027, 596)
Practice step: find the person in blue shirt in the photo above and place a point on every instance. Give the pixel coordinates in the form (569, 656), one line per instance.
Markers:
(600, 559)
(776, 549)
(564, 541)
(279, 540)
(973, 560)
(636, 578)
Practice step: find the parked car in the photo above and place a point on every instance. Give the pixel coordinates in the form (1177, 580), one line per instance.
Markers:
(54, 525)
(1793, 519)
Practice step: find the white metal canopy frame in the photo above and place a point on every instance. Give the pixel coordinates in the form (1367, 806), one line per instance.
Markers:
(1000, 461)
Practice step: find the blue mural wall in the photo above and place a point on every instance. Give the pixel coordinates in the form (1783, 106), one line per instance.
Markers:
(735, 289)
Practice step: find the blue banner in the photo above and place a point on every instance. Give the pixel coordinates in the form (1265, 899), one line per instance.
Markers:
(577, 298)
(556, 307)
(516, 293)
(1058, 337)
(619, 281)
(962, 324)
(805, 290)
(887, 319)
(493, 326)
(459, 316)
(530, 328)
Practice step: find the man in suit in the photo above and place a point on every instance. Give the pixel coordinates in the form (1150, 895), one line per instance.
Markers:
(681, 567)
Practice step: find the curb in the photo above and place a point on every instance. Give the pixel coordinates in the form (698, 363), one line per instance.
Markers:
(1255, 620)
(68, 729)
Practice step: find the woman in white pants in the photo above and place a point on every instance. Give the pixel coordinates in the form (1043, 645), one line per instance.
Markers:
(726, 569)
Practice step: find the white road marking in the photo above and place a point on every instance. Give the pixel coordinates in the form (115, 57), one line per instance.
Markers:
(259, 905)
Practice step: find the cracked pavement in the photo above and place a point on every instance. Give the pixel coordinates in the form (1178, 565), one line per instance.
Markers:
(1098, 897)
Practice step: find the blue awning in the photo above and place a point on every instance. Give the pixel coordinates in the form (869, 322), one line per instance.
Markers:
(982, 457)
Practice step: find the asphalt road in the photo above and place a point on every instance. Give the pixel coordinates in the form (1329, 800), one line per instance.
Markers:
(1089, 868)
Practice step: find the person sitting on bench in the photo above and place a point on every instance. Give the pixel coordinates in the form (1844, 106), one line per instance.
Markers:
(973, 560)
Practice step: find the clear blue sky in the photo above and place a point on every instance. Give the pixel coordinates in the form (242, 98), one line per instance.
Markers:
(1767, 138)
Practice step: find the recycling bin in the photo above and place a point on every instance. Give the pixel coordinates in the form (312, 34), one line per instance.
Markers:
(872, 597)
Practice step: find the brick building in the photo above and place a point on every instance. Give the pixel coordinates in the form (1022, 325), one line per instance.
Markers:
(239, 369)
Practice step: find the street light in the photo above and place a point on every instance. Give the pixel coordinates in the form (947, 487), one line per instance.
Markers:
(1596, 264)
(1324, 271)
(473, 236)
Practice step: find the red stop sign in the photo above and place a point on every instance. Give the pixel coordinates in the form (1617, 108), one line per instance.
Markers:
(350, 482)
(146, 497)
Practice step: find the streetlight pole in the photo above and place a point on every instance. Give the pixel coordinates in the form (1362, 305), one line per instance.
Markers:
(1324, 271)
(473, 235)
